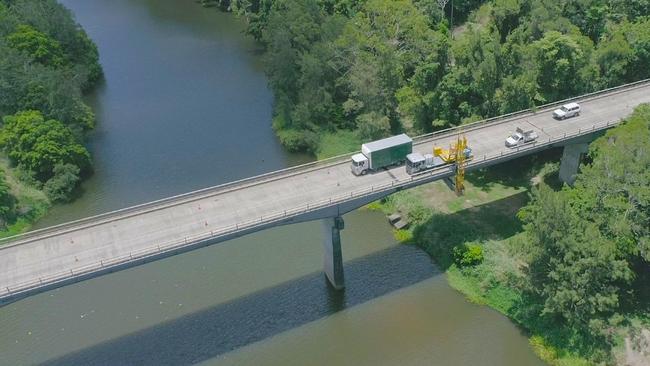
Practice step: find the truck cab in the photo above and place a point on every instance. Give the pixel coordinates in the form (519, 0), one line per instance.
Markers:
(360, 164)
(415, 162)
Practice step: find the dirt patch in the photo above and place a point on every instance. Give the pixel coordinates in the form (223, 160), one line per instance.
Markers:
(637, 349)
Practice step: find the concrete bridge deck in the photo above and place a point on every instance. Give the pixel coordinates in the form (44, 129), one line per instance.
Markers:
(72, 252)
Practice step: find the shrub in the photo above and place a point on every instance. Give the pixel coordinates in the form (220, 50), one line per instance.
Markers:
(468, 255)
(296, 140)
(62, 184)
(403, 236)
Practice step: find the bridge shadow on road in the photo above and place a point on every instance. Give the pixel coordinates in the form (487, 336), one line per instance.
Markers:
(209, 333)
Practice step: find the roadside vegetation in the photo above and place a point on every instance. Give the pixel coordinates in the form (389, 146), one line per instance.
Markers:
(570, 265)
(46, 63)
(379, 67)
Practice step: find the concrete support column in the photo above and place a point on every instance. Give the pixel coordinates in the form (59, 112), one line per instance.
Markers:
(333, 259)
(571, 161)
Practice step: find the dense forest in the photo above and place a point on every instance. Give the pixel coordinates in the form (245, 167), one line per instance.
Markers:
(378, 67)
(46, 63)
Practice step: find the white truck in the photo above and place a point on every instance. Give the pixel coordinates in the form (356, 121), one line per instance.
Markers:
(417, 162)
(381, 153)
(521, 137)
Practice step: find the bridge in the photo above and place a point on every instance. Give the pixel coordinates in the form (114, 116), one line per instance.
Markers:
(324, 190)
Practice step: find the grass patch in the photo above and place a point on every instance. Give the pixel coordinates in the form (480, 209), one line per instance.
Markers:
(403, 236)
(31, 203)
(337, 143)
(374, 206)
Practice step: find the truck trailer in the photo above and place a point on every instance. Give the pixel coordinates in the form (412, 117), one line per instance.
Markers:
(381, 154)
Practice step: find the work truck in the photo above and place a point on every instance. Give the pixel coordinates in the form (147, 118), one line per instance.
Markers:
(416, 162)
(382, 153)
(521, 137)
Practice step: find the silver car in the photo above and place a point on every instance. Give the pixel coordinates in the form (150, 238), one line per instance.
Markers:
(567, 110)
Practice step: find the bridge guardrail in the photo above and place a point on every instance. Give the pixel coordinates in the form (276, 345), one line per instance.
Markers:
(246, 182)
(160, 248)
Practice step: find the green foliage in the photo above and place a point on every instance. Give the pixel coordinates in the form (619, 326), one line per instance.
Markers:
(588, 245)
(379, 67)
(467, 255)
(59, 188)
(296, 140)
(624, 53)
(614, 191)
(563, 64)
(37, 45)
(7, 203)
(403, 236)
(574, 269)
(38, 145)
(373, 126)
(46, 60)
(441, 234)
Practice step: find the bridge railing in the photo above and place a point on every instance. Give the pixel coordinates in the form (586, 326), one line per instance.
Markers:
(283, 173)
(158, 249)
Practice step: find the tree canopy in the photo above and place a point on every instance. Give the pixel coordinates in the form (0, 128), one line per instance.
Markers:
(590, 244)
(46, 62)
(351, 64)
(38, 145)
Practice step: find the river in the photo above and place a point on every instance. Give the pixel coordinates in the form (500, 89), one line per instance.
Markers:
(185, 105)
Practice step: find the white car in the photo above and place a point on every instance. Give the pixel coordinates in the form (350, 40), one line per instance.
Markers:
(567, 110)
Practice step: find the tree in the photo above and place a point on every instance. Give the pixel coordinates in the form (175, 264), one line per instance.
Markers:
(7, 202)
(590, 244)
(614, 191)
(57, 22)
(614, 56)
(38, 145)
(506, 15)
(575, 270)
(373, 126)
(37, 45)
(385, 47)
(59, 188)
(563, 65)
(518, 93)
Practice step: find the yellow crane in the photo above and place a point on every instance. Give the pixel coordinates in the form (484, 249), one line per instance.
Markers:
(461, 161)
(458, 153)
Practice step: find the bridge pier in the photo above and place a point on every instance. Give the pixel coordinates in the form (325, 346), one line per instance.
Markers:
(571, 161)
(333, 259)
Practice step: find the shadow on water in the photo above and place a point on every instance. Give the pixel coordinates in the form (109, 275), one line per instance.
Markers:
(211, 332)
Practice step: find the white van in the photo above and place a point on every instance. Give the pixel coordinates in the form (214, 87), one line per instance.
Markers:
(567, 110)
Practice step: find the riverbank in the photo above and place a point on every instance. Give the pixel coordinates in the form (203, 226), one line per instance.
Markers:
(48, 64)
(31, 202)
(486, 217)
